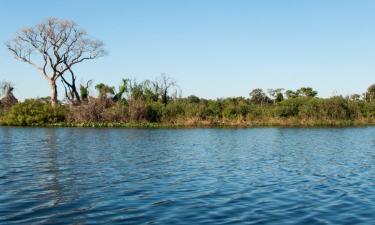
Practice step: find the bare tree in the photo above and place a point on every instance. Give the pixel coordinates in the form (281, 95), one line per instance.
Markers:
(165, 85)
(53, 47)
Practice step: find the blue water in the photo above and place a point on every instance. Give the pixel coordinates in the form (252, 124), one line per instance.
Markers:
(187, 176)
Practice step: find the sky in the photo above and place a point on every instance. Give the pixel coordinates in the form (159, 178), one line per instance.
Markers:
(212, 48)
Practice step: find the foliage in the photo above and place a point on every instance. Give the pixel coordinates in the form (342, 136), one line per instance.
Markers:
(258, 96)
(84, 90)
(33, 112)
(144, 103)
(306, 92)
(104, 90)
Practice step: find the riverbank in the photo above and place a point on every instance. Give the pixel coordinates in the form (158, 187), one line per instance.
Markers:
(289, 122)
(187, 113)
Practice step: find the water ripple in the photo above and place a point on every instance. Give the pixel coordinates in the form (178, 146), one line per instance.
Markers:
(187, 176)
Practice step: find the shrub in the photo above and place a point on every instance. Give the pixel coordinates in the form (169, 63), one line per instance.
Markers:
(154, 112)
(173, 110)
(137, 110)
(214, 108)
(118, 112)
(34, 112)
(290, 107)
(368, 109)
(230, 111)
(89, 111)
(193, 109)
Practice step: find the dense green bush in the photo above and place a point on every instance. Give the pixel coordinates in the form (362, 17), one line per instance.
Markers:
(173, 110)
(33, 112)
(154, 112)
(335, 108)
(290, 107)
(368, 109)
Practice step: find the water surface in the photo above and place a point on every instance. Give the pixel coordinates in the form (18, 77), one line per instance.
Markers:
(187, 176)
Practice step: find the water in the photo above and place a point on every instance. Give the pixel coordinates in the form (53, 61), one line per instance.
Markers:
(187, 176)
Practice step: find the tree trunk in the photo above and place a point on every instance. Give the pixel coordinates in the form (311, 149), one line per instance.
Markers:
(75, 92)
(54, 101)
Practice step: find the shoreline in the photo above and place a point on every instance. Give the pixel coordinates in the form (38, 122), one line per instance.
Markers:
(205, 124)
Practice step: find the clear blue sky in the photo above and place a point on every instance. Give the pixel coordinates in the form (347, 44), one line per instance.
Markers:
(212, 48)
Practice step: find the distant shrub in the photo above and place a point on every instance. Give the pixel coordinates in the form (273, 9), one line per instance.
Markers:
(368, 109)
(255, 112)
(193, 109)
(214, 108)
(118, 113)
(154, 112)
(193, 99)
(173, 110)
(89, 111)
(137, 110)
(33, 112)
(290, 107)
(335, 108)
(230, 111)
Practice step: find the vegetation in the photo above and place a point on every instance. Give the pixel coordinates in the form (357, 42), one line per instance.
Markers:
(55, 47)
(33, 112)
(157, 103)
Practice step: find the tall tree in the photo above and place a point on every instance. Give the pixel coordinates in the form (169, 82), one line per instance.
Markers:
(257, 96)
(165, 85)
(291, 94)
(104, 90)
(276, 94)
(53, 47)
(307, 92)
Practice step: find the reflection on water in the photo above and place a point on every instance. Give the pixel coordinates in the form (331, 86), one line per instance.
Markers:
(187, 176)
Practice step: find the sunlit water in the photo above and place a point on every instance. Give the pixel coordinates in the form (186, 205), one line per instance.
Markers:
(187, 176)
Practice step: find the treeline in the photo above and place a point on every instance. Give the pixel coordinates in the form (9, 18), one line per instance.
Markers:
(159, 102)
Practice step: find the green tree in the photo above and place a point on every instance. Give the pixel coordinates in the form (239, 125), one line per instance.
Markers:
(104, 90)
(257, 96)
(124, 88)
(276, 94)
(84, 90)
(291, 94)
(307, 92)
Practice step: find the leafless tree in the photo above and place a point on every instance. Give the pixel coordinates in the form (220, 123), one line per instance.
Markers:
(165, 85)
(71, 92)
(53, 47)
